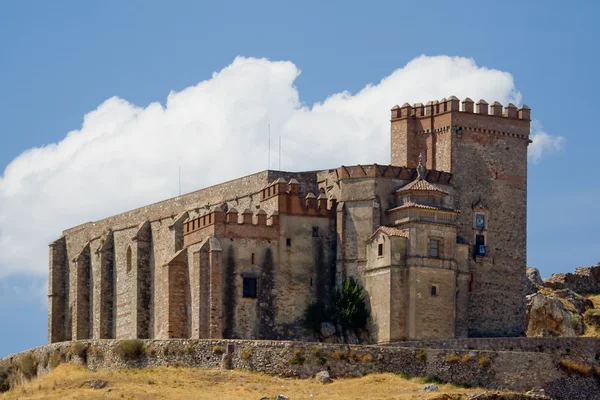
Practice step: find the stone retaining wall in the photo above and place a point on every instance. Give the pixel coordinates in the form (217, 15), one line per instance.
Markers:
(515, 370)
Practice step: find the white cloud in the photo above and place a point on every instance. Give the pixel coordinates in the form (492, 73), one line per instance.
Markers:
(125, 156)
(542, 143)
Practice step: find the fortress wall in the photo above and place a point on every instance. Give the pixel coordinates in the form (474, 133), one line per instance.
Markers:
(494, 369)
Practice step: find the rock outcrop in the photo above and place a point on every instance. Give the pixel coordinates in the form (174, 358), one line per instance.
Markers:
(584, 280)
(533, 281)
(547, 316)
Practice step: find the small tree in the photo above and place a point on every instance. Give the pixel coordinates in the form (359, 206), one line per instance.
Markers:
(349, 307)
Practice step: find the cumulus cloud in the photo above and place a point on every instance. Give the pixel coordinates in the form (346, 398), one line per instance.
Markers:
(124, 156)
(543, 144)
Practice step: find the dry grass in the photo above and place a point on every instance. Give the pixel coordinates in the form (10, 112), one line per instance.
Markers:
(595, 298)
(65, 382)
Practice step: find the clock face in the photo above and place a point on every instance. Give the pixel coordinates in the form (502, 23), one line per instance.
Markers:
(480, 221)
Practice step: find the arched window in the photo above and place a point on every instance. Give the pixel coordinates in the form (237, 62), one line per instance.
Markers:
(128, 259)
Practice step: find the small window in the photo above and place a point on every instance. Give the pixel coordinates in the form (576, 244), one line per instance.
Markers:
(129, 263)
(434, 248)
(315, 231)
(252, 259)
(250, 288)
(288, 242)
(480, 240)
(433, 290)
(380, 249)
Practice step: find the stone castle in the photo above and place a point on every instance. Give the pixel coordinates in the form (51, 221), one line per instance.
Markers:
(437, 239)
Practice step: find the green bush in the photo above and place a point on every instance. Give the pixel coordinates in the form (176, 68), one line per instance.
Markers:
(218, 350)
(246, 354)
(130, 349)
(298, 357)
(349, 307)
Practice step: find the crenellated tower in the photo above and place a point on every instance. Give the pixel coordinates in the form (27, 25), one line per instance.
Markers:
(484, 147)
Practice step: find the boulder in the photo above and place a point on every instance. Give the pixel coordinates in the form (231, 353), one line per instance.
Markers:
(534, 276)
(323, 377)
(430, 387)
(327, 329)
(547, 316)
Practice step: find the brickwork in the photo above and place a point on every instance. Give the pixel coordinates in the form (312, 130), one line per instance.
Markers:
(244, 258)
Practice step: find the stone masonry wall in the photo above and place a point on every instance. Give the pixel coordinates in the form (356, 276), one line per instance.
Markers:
(514, 370)
(584, 280)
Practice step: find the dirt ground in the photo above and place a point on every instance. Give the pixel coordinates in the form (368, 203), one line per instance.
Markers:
(69, 382)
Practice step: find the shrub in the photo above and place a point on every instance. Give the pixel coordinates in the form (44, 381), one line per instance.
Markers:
(4, 378)
(321, 359)
(366, 358)
(79, 349)
(55, 359)
(298, 357)
(28, 365)
(246, 354)
(433, 379)
(575, 368)
(130, 349)
(189, 348)
(339, 355)
(465, 358)
(349, 307)
(592, 317)
(483, 362)
(452, 358)
(218, 350)
(421, 354)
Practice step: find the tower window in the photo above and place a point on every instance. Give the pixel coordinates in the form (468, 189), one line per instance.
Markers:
(252, 259)
(288, 242)
(434, 291)
(129, 261)
(434, 248)
(315, 231)
(380, 249)
(249, 288)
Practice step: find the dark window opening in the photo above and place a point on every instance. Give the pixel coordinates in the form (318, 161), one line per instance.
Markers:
(480, 248)
(288, 242)
(380, 249)
(250, 287)
(310, 282)
(315, 231)
(434, 290)
(252, 261)
(434, 248)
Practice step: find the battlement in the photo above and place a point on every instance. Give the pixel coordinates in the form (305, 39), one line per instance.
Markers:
(285, 197)
(218, 215)
(389, 171)
(452, 104)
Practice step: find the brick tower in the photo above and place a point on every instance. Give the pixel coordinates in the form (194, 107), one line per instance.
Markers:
(485, 148)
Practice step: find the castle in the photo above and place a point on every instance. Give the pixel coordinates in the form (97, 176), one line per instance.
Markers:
(437, 239)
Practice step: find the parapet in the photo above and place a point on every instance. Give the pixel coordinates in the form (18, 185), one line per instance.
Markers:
(452, 104)
(218, 216)
(288, 200)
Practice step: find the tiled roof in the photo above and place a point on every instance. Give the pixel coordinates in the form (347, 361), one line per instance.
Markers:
(390, 231)
(421, 184)
(421, 206)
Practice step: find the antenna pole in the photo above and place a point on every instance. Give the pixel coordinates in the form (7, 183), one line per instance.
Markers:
(180, 180)
(269, 156)
(280, 152)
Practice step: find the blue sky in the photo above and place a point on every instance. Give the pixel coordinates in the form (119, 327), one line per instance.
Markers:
(60, 61)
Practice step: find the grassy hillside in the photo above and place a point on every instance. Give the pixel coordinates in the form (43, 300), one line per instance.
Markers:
(69, 382)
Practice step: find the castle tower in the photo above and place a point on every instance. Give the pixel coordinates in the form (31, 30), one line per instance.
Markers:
(485, 148)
